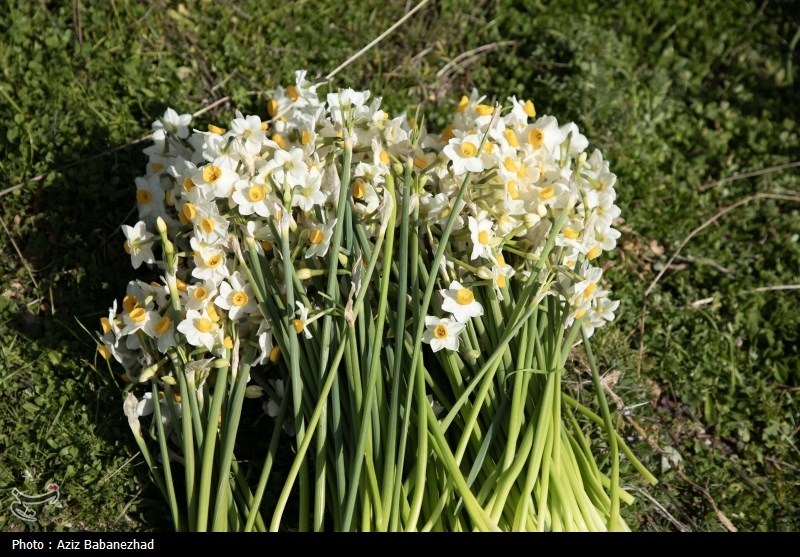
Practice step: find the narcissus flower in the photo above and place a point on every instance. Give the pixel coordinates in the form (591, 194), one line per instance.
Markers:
(460, 302)
(442, 333)
(139, 244)
(200, 329)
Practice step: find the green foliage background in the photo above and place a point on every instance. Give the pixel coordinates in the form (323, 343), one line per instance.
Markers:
(678, 96)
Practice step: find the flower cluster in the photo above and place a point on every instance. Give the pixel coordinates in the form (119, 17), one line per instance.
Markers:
(257, 181)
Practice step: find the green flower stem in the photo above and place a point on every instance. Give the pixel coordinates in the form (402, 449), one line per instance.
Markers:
(178, 519)
(391, 468)
(478, 516)
(188, 448)
(374, 372)
(294, 377)
(422, 449)
(230, 427)
(326, 387)
(648, 476)
(207, 464)
(614, 520)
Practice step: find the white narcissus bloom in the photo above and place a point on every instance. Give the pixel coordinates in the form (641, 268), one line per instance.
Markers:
(149, 196)
(319, 239)
(216, 179)
(254, 197)
(199, 329)
(482, 237)
(236, 296)
(442, 333)
(250, 130)
(301, 323)
(265, 343)
(465, 154)
(136, 319)
(174, 123)
(209, 226)
(460, 302)
(199, 294)
(139, 244)
(309, 193)
(162, 329)
(212, 266)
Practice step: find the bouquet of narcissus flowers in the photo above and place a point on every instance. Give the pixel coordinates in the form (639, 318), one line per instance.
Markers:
(402, 303)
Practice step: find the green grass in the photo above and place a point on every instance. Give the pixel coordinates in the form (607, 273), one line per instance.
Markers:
(676, 96)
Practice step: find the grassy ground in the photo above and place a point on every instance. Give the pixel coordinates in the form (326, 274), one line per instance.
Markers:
(684, 99)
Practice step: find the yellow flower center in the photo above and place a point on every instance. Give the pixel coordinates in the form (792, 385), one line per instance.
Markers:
(316, 237)
(105, 324)
(211, 173)
(156, 166)
(465, 296)
(163, 325)
(138, 315)
(589, 290)
(511, 137)
(127, 247)
(463, 104)
(130, 302)
(536, 138)
(203, 325)
(212, 313)
(200, 293)
(484, 109)
(214, 261)
(510, 164)
(571, 233)
(513, 192)
(264, 126)
(420, 162)
(189, 211)
(447, 133)
(500, 259)
(181, 285)
(272, 107)
(104, 352)
(169, 198)
(228, 343)
(274, 354)
(188, 184)
(256, 193)
(529, 109)
(207, 225)
(358, 190)
(240, 298)
(216, 129)
(298, 325)
(143, 197)
(580, 313)
(468, 149)
(440, 332)
(547, 192)
(384, 156)
(593, 253)
(501, 281)
(483, 237)
(278, 138)
(305, 137)
(291, 90)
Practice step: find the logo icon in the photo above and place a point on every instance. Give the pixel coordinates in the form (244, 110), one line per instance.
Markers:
(23, 504)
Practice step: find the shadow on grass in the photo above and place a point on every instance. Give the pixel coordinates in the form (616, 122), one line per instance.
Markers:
(69, 233)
